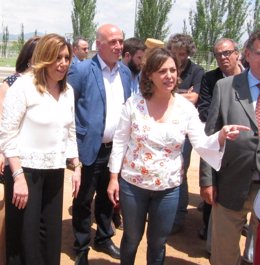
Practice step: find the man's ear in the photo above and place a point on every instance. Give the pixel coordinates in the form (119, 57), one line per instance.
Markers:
(97, 44)
(247, 54)
(127, 56)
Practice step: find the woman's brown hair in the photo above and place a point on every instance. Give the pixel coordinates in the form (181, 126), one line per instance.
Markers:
(155, 59)
(25, 55)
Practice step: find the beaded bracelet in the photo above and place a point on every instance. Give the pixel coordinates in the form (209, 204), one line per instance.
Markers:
(17, 172)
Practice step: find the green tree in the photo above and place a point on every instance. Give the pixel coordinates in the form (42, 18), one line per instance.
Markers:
(83, 19)
(151, 19)
(5, 39)
(207, 23)
(21, 38)
(254, 23)
(237, 12)
(185, 28)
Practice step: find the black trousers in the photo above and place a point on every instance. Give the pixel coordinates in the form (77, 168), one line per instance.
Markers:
(94, 179)
(33, 235)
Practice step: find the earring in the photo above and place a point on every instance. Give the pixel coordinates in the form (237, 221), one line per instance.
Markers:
(149, 84)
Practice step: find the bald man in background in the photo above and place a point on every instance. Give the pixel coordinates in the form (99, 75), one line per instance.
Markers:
(101, 86)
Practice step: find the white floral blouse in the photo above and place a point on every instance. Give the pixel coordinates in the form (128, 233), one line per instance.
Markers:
(148, 153)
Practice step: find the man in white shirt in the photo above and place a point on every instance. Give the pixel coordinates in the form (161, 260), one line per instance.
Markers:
(101, 86)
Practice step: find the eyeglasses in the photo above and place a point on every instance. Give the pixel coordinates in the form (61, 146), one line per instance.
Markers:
(224, 53)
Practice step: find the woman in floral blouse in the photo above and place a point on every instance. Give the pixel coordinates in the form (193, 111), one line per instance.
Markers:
(147, 152)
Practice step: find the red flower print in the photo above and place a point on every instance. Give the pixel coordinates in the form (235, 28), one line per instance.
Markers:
(157, 182)
(167, 150)
(148, 156)
(144, 171)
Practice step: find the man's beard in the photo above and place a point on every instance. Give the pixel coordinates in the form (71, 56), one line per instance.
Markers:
(133, 67)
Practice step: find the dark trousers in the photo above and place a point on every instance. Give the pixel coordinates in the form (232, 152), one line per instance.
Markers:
(184, 191)
(94, 179)
(33, 235)
(206, 210)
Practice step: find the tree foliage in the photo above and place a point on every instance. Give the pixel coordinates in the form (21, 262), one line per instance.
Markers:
(254, 23)
(214, 19)
(83, 19)
(237, 12)
(151, 19)
(206, 24)
(21, 38)
(5, 38)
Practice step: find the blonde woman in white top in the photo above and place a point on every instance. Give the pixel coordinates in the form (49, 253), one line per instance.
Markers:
(37, 135)
(22, 66)
(147, 152)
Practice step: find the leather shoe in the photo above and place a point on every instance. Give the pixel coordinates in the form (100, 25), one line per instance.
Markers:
(109, 248)
(82, 258)
(245, 230)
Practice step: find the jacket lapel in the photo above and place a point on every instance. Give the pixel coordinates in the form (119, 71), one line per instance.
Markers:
(125, 81)
(243, 95)
(99, 77)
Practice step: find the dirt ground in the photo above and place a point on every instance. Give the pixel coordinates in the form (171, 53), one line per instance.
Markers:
(182, 249)
(185, 248)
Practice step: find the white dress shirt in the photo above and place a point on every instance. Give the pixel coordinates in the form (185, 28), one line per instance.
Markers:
(114, 99)
(37, 128)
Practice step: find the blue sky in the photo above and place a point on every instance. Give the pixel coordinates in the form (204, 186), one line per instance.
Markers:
(55, 15)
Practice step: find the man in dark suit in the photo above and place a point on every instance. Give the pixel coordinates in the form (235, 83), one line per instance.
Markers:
(232, 190)
(101, 86)
(227, 57)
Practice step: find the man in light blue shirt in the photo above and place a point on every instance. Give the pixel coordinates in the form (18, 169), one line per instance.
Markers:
(132, 56)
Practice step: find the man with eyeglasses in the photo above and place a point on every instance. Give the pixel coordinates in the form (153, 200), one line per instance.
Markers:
(232, 189)
(227, 57)
(80, 49)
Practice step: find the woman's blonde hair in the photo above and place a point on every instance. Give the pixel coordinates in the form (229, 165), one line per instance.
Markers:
(46, 53)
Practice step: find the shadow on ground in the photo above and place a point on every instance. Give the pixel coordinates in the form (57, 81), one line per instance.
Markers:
(188, 241)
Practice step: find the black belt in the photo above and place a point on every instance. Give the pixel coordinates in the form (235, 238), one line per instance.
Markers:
(256, 182)
(107, 145)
